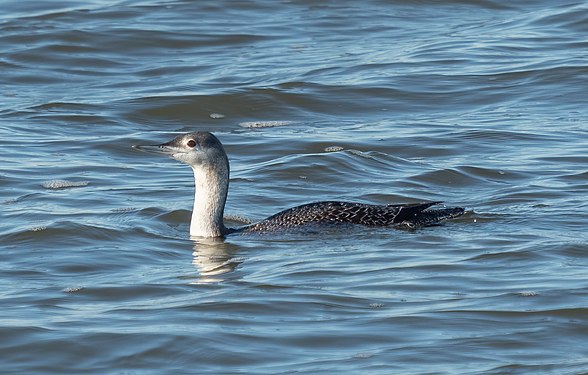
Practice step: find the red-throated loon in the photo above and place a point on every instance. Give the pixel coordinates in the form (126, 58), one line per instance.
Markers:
(205, 154)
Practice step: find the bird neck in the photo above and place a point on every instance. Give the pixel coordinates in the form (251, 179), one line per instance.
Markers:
(210, 195)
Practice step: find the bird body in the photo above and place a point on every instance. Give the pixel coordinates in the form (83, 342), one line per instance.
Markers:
(371, 215)
(206, 155)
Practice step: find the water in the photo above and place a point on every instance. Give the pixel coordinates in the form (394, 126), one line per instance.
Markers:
(477, 103)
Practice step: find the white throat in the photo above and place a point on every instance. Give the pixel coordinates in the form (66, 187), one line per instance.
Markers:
(210, 195)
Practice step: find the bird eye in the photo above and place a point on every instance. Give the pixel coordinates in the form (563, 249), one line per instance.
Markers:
(191, 143)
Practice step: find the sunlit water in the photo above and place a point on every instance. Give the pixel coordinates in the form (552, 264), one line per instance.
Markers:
(481, 104)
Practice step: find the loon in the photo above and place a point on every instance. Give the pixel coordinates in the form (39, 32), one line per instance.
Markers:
(205, 154)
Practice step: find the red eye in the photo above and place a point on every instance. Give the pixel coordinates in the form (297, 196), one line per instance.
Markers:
(191, 143)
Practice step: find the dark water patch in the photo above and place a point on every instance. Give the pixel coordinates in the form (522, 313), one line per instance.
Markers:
(510, 256)
(561, 160)
(62, 232)
(195, 110)
(552, 366)
(450, 177)
(175, 217)
(132, 299)
(503, 135)
(567, 18)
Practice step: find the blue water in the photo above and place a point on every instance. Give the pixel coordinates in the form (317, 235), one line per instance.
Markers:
(480, 104)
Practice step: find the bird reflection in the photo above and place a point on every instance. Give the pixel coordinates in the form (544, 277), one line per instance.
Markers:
(213, 259)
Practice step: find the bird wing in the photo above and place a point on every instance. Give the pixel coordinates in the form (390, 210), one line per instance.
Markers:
(409, 215)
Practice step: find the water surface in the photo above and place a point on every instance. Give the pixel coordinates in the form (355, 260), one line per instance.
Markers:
(479, 104)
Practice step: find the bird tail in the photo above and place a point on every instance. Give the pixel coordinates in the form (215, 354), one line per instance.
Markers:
(419, 215)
